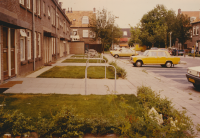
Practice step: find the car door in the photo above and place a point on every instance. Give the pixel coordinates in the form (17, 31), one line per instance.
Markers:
(151, 57)
(162, 57)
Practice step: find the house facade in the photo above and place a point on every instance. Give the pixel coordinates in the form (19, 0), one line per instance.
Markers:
(32, 33)
(81, 34)
(194, 17)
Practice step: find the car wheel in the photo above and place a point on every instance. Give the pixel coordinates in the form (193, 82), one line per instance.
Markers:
(196, 86)
(168, 64)
(116, 56)
(163, 66)
(138, 64)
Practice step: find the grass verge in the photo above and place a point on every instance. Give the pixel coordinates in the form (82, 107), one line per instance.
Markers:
(82, 61)
(77, 72)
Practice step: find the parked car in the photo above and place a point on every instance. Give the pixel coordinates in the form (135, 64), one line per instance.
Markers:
(155, 57)
(193, 76)
(124, 53)
(180, 52)
(154, 48)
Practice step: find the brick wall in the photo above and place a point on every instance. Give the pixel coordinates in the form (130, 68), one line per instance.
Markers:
(77, 48)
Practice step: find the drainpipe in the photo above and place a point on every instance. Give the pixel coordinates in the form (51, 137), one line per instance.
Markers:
(56, 33)
(33, 34)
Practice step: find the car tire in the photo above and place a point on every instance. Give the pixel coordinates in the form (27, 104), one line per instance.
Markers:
(134, 64)
(196, 86)
(116, 56)
(163, 66)
(168, 64)
(138, 64)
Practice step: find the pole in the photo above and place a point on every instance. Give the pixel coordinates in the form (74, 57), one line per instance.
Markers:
(33, 34)
(170, 39)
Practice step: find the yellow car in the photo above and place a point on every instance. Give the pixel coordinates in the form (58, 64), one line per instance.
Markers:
(124, 53)
(155, 57)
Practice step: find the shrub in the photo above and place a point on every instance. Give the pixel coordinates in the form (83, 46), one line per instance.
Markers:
(196, 55)
(120, 71)
(105, 59)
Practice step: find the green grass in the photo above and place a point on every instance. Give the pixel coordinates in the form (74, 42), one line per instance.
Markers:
(82, 61)
(77, 72)
(30, 105)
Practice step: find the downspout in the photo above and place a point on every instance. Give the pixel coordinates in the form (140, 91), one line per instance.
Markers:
(56, 32)
(33, 34)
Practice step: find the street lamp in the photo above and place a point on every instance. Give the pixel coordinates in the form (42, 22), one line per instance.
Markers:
(170, 38)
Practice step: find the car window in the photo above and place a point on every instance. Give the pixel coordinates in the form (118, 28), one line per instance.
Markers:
(145, 53)
(152, 54)
(161, 54)
(129, 51)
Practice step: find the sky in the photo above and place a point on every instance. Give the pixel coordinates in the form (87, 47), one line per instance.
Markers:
(130, 11)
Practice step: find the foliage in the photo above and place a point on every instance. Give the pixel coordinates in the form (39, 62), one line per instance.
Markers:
(120, 72)
(104, 28)
(123, 119)
(196, 55)
(135, 34)
(82, 61)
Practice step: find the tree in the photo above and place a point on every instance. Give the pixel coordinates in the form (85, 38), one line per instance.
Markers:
(103, 26)
(155, 26)
(181, 29)
(135, 34)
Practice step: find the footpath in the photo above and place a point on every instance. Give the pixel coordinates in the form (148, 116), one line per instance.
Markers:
(135, 77)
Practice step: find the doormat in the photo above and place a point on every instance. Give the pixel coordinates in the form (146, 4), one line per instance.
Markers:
(10, 84)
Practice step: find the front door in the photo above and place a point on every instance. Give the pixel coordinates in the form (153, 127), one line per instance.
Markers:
(5, 53)
(12, 42)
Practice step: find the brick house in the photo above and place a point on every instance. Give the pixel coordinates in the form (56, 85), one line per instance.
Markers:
(194, 17)
(81, 35)
(126, 36)
(31, 36)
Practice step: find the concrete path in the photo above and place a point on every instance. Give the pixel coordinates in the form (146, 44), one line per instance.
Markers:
(181, 99)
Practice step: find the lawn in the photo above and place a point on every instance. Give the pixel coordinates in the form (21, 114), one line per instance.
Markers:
(82, 61)
(77, 72)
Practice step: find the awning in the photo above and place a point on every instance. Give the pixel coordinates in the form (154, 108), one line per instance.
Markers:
(124, 45)
(49, 34)
(123, 39)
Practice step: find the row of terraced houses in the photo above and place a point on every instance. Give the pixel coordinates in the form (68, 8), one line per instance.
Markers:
(34, 33)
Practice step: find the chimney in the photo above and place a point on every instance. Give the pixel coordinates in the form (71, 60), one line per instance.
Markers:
(71, 10)
(60, 3)
(179, 11)
(94, 10)
(64, 10)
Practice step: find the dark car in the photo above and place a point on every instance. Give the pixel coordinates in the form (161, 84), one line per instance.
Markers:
(180, 52)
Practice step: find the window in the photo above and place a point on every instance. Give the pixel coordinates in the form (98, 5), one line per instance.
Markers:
(64, 28)
(197, 30)
(85, 20)
(53, 12)
(34, 6)
(28, 4)
(44, 9)
(22, 48)
(57, 20)
(21, 2)
(28, 44)
(162, 54)
(194, 30)
(35, 45)
(49, 14)
(125, 33)
(75, 32)
(85, 33)
(152, 54)
(39, 44)
(38, 2)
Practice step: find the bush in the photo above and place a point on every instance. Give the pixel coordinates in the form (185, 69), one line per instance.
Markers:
(105, 59)
(120, 71)
(196, 55)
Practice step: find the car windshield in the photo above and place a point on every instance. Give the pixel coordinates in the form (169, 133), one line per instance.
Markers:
(145, 53)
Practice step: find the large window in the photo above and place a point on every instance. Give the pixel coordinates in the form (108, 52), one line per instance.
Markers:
(85, 20)
(49, 14)
(85, 33)
(39, 44)
(53, 12)
(29, 44)
(44, 9)
(125, 33)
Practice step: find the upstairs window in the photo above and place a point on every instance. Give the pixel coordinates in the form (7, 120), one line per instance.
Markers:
(38, 6)
(34, 6)
(28, 4)
(85, 33)
(197, 30)
(194, 30)
(49, 14)
(125, 33)
(21, 2)
(44, 9)
(85, 20)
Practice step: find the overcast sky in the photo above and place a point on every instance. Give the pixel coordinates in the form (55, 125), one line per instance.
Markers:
(130, 11)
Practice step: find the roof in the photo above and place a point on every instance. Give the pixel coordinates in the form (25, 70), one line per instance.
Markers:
(192, 14)
(76, 17)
